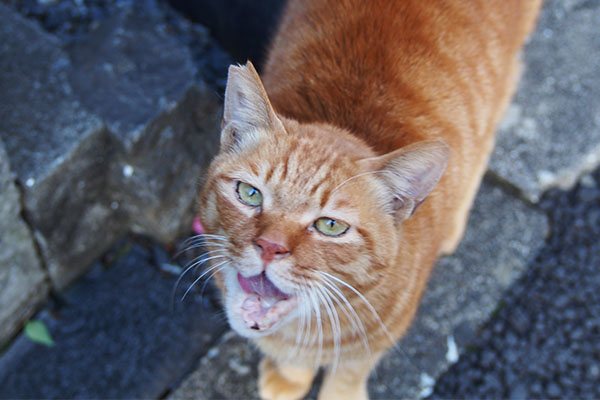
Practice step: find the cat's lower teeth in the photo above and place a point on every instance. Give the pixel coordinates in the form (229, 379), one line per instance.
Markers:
(268, 302)
(261, 313)
(251, 303)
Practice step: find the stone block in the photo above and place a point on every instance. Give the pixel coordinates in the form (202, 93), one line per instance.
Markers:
(140, 79)
(158, 181)
(23, 282)
(551, 133)
(502, 236)
(59, 151)
(117, 335)
(109, 135)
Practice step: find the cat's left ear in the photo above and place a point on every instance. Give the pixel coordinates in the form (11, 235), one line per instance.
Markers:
(410, 173)
(247, 110)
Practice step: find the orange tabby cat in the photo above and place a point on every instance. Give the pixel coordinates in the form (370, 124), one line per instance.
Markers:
(328, 203)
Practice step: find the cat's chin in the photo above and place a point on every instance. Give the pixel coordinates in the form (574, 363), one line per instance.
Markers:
(255, 315)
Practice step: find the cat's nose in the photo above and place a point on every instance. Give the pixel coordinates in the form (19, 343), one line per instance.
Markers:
(270, 250)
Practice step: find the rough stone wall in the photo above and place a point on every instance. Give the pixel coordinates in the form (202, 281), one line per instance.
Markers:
(23, 282)
(105, 134)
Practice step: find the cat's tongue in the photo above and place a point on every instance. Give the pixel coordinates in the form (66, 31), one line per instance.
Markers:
(265, 304)
(261, 285)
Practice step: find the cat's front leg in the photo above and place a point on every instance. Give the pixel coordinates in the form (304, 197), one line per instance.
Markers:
(283, 381)
(348, 381)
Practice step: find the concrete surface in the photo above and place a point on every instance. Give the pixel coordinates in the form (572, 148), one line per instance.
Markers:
(551, 133)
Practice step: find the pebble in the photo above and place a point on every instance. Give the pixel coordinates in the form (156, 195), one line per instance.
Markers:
(536, 388)
(519, 392)
(553, 390)
(520, 322)
(577, 334)
(594, 372)
(238, 367)
(561, 301)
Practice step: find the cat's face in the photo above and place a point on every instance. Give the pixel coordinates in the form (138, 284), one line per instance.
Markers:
(301, 212)
(289, 214)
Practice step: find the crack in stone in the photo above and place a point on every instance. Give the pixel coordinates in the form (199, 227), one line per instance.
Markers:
(32, 233)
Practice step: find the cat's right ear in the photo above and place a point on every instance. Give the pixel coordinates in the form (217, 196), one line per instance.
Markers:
(410, 174)
(247, 112)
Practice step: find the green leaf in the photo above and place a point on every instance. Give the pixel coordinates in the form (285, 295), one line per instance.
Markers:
(37, 332)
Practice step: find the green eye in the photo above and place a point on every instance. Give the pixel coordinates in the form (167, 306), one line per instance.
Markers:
(249, 195)
(330, 227)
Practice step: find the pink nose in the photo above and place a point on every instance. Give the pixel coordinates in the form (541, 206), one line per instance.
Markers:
(270, 250)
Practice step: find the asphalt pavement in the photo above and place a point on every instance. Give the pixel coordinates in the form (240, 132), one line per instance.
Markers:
(544, 339)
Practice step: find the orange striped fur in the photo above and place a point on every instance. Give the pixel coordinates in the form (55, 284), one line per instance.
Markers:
(365, 105)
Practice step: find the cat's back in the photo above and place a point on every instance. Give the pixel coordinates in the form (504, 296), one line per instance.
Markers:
(378, 67)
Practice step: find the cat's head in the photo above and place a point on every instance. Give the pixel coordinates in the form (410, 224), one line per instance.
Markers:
(300, 212)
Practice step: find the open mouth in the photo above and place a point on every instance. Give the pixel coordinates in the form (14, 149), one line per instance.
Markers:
(265, 304)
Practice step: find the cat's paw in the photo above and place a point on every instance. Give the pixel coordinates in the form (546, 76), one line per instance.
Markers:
(283, 382)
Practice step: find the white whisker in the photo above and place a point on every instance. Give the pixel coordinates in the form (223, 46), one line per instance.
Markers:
(204, 243)
(197, 262)
(193, 264)
(315, 302)
(210, 277)
(201, 276)
(353, 317)
(300, 333)
(202, 236)
(201, 259)
(307, 338)
(367, 303)
(356, 176)
(335, 325)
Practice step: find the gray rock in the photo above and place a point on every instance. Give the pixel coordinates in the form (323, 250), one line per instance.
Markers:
(140, 79)
(58, 150)
(117, 334)
(551, 133)
(502, 235)
(128, 71)
(110, 136)
(23, 282)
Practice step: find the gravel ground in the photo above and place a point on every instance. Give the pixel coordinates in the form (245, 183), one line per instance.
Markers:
(544, 341)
